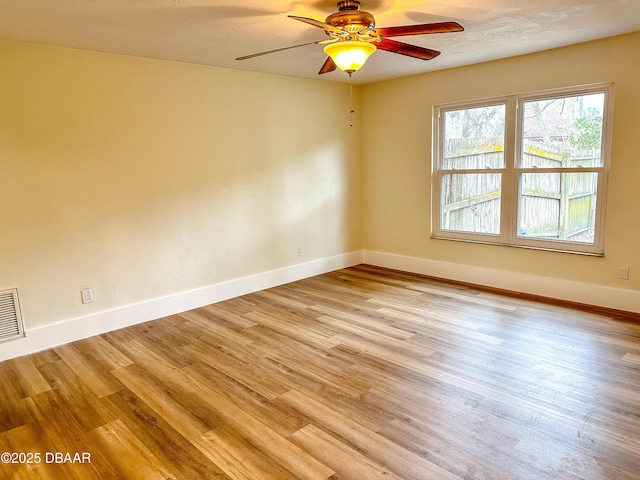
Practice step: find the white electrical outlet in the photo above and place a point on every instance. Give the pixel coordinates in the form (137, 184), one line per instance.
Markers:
(623, 273)
(300, 252)
(87, 295)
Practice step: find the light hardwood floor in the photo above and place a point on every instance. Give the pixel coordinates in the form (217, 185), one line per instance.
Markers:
(359, 374)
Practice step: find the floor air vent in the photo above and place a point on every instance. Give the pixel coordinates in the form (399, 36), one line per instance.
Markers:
(10, 319)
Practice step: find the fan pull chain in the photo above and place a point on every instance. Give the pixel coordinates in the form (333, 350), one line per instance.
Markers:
(351, 111)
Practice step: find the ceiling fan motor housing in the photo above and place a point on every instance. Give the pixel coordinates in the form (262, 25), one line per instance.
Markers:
(350, 17)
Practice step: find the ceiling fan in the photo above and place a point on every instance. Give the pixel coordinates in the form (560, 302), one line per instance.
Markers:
(353, 36)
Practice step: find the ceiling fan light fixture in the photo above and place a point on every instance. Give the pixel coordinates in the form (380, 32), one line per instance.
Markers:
(349, 56)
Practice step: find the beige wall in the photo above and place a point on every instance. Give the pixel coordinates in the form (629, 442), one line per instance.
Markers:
(142, 178)
(397, 155)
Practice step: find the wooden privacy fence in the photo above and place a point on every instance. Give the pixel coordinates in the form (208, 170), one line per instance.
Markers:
(554, 205)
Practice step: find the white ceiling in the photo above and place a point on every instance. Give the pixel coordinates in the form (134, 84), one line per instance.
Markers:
(215, 32)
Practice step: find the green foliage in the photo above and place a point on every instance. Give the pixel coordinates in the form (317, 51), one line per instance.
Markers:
(587, 130)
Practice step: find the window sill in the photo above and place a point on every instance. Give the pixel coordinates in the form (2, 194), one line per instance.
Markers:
(513, 245)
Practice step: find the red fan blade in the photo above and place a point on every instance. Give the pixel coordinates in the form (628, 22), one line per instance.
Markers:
(406, 49)
(278, 50)
(442, 27)
(316, 23)
(328, 66)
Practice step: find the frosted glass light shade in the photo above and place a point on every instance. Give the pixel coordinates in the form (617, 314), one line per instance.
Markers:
(349, 56)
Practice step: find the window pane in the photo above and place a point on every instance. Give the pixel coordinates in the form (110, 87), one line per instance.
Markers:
(474, 138)
(471, 202)
(558, 206)
(563, 132)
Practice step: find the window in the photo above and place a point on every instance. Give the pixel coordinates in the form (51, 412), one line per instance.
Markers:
(527, 170)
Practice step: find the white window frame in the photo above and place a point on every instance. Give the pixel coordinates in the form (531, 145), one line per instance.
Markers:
(512, 171)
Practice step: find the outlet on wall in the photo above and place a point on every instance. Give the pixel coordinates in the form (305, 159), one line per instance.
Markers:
(87, 295)
(623, 273)
(300, 252)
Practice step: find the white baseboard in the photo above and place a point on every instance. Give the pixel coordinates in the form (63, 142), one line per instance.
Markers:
(49, 336)
(568, 290)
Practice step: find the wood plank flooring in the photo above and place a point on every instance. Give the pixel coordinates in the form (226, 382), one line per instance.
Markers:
(362, 374)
